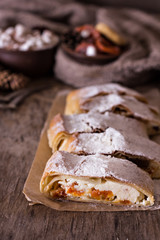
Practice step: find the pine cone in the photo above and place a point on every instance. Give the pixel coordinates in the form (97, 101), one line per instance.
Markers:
(12, 81)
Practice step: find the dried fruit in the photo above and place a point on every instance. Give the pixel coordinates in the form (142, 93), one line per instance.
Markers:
(107, 49)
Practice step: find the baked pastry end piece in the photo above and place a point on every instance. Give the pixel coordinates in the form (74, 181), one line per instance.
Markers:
(79, 178)
(76, 98)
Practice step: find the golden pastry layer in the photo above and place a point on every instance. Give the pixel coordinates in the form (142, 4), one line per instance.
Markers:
(96, 178)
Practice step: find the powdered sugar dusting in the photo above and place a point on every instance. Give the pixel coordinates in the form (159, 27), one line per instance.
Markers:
(91, 122)
(109, 88)
(117, 141)
(108, 141)
(131, 105)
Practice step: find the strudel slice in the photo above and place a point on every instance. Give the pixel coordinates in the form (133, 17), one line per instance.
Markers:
(77, 97)
(144, 152)
(124, 105)
(62, 126)
(96, 178)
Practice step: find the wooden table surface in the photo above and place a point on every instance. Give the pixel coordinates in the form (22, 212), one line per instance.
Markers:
(19, 135)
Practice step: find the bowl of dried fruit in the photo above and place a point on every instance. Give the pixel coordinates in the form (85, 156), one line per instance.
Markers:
(93, 44)
(30, 51)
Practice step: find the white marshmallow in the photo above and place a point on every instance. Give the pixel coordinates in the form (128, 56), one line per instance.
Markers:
(9, 30)
(19, 37)
(91, 51)
(20, 30)
(85, 33)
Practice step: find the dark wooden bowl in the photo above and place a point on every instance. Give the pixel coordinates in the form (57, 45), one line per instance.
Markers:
(32, 62)
(68, 44)
(96, 60)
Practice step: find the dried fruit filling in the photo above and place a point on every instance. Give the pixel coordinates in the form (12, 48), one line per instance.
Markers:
(102, 195)
(75, 192)
(60, 191)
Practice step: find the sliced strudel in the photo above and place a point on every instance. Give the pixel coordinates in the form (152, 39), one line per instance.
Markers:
(144, 152)
(125, 105)
(76, 97)
(96, 178)
(62, 126)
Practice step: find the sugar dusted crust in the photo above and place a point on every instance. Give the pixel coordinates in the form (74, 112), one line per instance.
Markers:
(143, 151)
(82, 168)
(114, 98)
(62, 126)
(126, 105)
(75, 97)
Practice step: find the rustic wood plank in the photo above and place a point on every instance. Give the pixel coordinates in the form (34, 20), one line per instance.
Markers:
(19, 136)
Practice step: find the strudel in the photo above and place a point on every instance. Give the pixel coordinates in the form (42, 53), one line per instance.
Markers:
(144, 152)
(129, 105)
(62, 126)
(76, 97)
(96, 178)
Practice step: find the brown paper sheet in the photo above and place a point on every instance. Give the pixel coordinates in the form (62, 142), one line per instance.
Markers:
(31, 187)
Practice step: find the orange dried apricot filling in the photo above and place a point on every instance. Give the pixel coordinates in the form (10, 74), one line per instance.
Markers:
(58, 193)
(74, 191)
(101, 195)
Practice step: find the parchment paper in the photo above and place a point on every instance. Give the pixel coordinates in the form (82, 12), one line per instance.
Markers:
(31, 187)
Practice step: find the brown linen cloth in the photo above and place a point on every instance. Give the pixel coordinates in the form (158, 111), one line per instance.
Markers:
(140, 63)
(56, 15)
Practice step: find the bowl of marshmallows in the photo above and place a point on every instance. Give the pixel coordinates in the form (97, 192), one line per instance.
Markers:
(30, 51)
